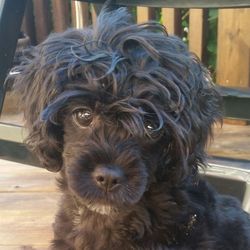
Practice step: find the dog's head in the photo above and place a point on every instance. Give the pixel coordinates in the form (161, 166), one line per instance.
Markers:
(117, 108)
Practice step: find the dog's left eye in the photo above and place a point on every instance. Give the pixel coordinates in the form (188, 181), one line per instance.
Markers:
(151, 128)
(83, 117)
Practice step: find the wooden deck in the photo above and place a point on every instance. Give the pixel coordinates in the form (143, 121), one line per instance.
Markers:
(28, 200)
(231, 141)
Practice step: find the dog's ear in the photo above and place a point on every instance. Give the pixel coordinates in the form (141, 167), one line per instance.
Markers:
(190, 127)
(39, 82)
(44, 138)
(206, 110)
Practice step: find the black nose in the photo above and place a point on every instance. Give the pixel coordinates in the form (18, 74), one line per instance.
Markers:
(108, 177)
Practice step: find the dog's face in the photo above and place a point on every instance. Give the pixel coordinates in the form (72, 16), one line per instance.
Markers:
(116, 109)
(112, 141)
(107, 164)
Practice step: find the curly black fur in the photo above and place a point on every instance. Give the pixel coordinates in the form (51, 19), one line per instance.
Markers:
(147, 107)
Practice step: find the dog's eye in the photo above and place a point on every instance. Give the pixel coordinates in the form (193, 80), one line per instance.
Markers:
(150, 126)
(152, 129)
(83, 117)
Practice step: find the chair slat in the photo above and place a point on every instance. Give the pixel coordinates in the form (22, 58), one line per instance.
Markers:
(42, 19)
(60, 11)
(28, 25)
(171, 19)
(144, 14)
(80, 14)
(197, 32)
(233, 48)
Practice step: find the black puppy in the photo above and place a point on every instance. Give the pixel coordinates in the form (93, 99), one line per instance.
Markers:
(124, 112)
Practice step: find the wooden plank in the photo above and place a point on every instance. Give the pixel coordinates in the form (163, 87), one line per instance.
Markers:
(197, 32)
(95, 10)
(144, 14)
(60, 10)
(73, 14)
(24, 247)
(28, 199)
(28, 25)
(42, 19)
(26, 218)
(231, 141)
(20, 178)
(80, 14)
(94, 15)
(181, 3)
(11, 109)
(235, 122)
(233, 51)
(171, 19)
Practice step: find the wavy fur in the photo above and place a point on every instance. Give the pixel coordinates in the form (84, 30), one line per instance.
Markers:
(130, 76)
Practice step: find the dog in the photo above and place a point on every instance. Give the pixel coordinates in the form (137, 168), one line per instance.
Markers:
(124, 112)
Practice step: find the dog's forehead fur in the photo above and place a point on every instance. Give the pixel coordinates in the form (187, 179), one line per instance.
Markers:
(132, 66)
(122, 59)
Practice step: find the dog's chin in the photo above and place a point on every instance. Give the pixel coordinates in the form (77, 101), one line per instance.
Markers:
(108, 208)
(102, 209)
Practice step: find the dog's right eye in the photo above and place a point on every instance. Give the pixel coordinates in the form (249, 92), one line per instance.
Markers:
(83, 117)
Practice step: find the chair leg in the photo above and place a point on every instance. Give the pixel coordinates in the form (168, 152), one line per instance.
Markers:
(11, 15)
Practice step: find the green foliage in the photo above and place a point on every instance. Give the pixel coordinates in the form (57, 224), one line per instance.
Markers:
(212, 39)
(158, 16)
(184, 25)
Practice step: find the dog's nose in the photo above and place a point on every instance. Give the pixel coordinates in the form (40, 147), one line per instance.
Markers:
(108, 177)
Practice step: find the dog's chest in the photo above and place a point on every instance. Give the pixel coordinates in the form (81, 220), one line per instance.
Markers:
(98, 232)
(97, 235)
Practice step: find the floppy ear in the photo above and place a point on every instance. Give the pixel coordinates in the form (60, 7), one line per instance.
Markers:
(206, 110)
(193, 128)
(44, 138)
(38, 84)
